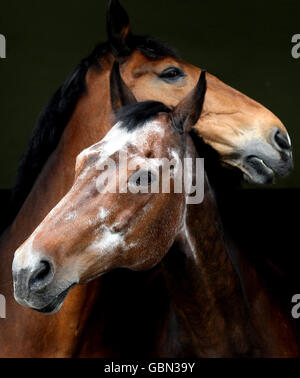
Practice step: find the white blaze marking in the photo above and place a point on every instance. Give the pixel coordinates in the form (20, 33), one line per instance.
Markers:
(25, 257)
(103, 214)
(109, 241)
(119, 137)
(71, 216)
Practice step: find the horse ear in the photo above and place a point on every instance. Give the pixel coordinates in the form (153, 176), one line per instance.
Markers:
(118, 27)
(188, 111)
(120, 94)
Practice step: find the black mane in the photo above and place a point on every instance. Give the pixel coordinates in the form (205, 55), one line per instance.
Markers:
(151, 47)
(56, 115)
(136, 115)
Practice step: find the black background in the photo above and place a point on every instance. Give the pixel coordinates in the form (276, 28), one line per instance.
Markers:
(246, 44)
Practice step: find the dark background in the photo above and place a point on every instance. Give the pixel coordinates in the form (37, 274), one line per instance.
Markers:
(246, 44)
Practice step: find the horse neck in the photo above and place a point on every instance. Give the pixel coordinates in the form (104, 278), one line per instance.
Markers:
(270, 339)
(85, 128)
(89, 123)
(220, 306)
(206, 294)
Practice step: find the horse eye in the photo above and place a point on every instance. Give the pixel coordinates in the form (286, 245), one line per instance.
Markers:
(171, 74)
(147, 178)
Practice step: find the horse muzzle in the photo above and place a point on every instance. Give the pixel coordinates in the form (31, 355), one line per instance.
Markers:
(261, 161)
(35, 287)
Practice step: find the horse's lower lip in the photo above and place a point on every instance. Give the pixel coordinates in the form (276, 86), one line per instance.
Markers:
(258, 171)
(55, 305)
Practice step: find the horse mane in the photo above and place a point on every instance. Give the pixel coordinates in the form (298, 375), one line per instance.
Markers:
(136, 115)
(57, 113)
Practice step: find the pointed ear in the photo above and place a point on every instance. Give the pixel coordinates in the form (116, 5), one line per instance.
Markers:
(120, 94)
(188, 111)
(118, 27)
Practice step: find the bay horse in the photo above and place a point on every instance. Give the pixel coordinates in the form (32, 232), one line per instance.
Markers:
(135, 230)
(74, 120)
(206, 297)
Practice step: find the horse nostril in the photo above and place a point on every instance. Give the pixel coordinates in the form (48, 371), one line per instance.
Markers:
(42, 276)
(281, 140)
